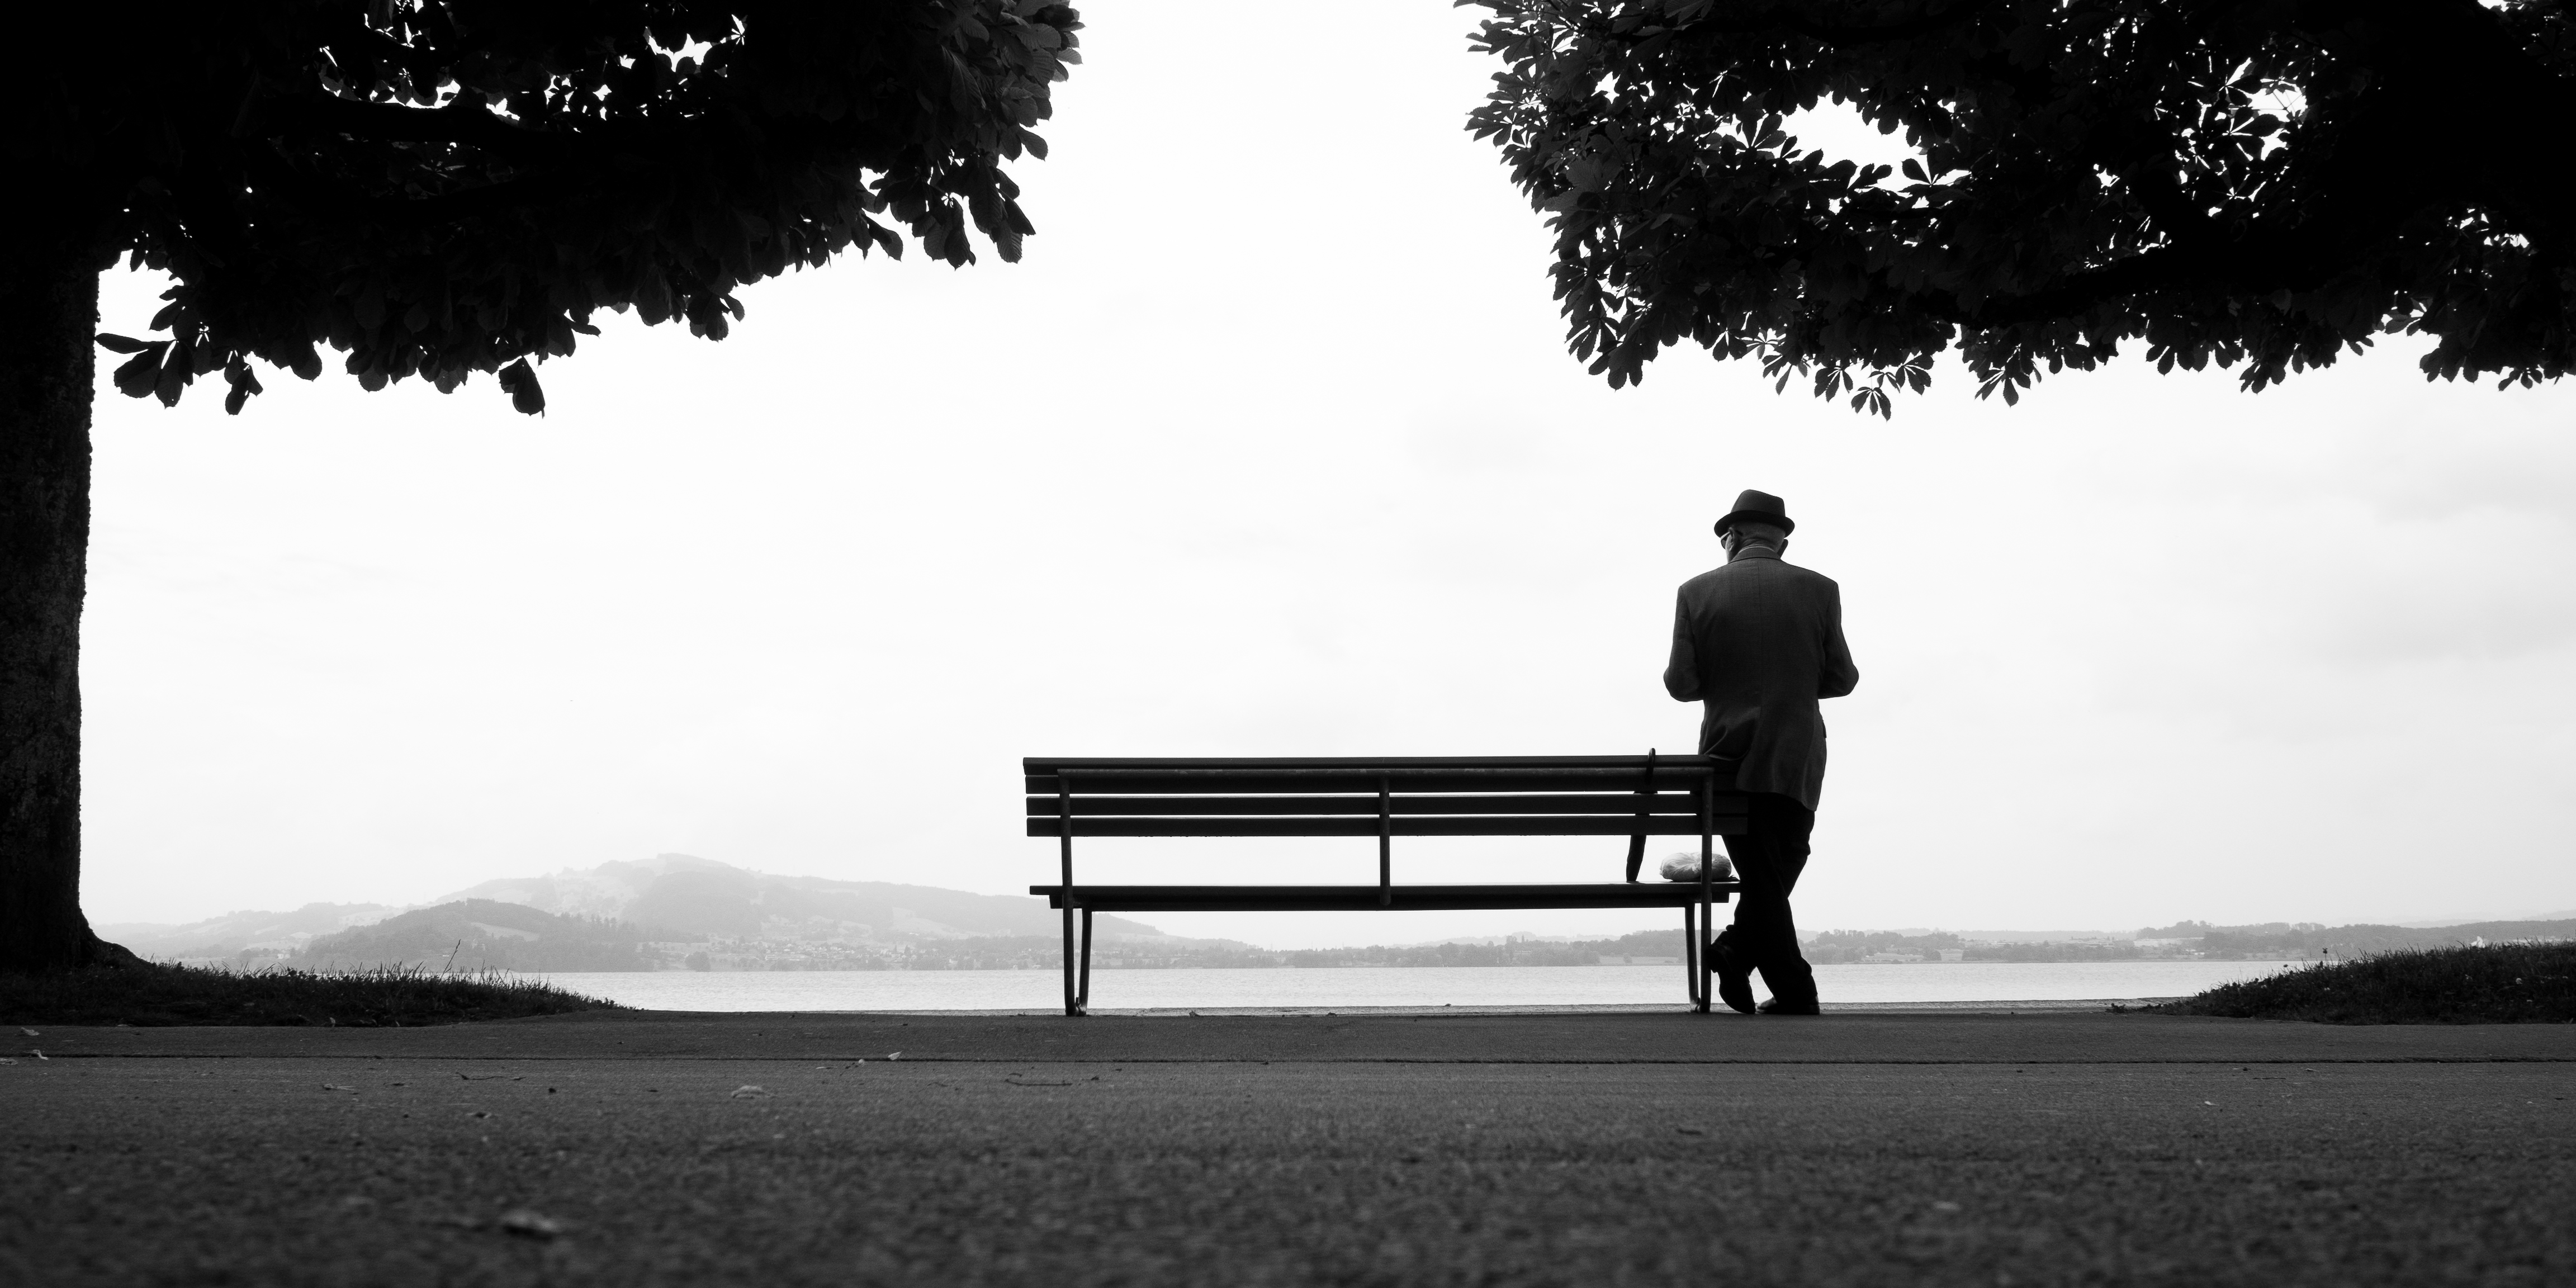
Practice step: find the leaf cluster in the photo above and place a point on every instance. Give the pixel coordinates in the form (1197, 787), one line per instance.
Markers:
(2257, 183)
(439, 187)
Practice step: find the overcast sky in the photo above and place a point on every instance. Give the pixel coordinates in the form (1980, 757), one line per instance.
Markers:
(1271, 447)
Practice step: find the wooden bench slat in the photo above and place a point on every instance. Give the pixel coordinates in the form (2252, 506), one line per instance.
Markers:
(1435, 825)
(1173, 782)
(1049, 764)
(1369, 898)
(1680, 804)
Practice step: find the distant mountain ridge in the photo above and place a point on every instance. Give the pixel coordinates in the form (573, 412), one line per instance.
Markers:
(680, 896)
(684, 897)
(237, 932)
(485, 934)
(708, 899)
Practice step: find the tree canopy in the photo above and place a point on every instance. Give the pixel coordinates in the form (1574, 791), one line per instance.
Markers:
(440, 187)
(2259, 183)
(431, 188)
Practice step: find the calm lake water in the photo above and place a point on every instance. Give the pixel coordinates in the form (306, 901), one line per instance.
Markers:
(1394, 986)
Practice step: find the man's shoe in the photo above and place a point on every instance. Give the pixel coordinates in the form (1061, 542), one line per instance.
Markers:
(1734, 980)
(1783, 1006)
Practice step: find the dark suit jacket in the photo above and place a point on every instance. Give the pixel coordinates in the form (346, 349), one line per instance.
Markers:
(1758, 642)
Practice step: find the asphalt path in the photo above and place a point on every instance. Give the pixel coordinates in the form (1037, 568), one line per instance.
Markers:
(1577, 1149)
(1673, 1036)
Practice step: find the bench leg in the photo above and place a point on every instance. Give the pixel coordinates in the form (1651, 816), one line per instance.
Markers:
(1072, 994)
(1082, 996)
(1690, 954)
(1706, 975)
(1700, 991)
(1694, 950)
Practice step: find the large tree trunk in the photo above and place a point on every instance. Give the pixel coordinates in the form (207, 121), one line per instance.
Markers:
(45, 373)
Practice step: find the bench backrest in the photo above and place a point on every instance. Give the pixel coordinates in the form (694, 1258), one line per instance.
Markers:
(1635, 796)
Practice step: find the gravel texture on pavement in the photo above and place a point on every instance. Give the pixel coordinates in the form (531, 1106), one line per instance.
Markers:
(1557, 1152)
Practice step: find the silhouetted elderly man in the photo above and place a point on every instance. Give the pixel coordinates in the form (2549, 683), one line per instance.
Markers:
(1759, 642)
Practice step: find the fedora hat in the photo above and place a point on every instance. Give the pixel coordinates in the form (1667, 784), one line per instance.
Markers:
(1758, 507)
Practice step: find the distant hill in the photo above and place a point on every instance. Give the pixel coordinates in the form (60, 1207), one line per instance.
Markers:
(478, 934)
(2563, 914)
(708, 899)
(233, 933)
(690, 897)
(695, 900)
(2309, 939)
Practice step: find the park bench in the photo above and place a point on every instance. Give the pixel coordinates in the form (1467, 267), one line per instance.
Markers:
(1631, 796)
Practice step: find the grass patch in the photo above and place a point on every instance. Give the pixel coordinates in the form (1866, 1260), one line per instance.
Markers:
(2502, 984)
(149, 994)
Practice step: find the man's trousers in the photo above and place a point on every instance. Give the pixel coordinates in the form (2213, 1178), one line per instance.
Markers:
(1768, 860)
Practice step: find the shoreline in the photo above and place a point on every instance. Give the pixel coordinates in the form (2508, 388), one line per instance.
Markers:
(1640, 988)
(1995, 1006)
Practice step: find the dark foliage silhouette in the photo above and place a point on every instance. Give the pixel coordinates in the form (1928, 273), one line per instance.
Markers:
(2258, 183)
(2504, 984)
(434, 188)
(147, 994)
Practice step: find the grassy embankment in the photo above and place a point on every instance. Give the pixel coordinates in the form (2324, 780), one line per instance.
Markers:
(146, 994)
(2502, 984)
